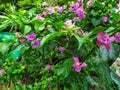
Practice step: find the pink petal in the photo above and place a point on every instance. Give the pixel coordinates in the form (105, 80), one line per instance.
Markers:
(83, 64)
(107, 46)
(78, 69)
(113, 38)
(76, 59)
(101, 34)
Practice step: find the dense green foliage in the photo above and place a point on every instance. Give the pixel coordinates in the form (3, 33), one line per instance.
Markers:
(25, 62)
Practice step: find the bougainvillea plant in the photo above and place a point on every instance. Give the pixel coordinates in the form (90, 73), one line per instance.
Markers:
(64, 47)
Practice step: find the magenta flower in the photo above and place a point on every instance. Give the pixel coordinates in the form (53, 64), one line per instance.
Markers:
(81, 32)
(22, 40)
(71, 9)
(117, 35)
(78, 32)
(2, 71)
(76, 6)
(89, 3)
(36, 43)
(104, 19)
(38, 16)
(60, 9)
(78, 65)
(80, 1)
(80, 12)
(48, 67)
(119, 5)
(72, 5)
(104, 39)
(31, 36)
(51, 10)
(76, 18)
(61, 49)
(68, 23)
(50, 86)
(44, 14)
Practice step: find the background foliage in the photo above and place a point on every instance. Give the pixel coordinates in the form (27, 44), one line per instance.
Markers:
(26, 66)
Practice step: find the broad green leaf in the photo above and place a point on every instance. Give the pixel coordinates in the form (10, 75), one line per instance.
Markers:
(32, 11)
(50, 36)
(51, 30)
(110, 30)
(39, 26)
(59, 24)
(66, 68)
(95, 22)
(4, 47)
(6, 36)
(115, 16)
(27, 29)
(18, 51)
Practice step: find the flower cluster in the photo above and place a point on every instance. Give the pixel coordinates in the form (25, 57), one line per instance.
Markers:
(78, 9)
(104, 39)
(31, 37)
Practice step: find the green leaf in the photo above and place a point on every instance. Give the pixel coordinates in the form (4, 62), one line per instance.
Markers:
(110, 30)
(92, 81)
(27, 29)
(4, 26)
(80, 39)
(20, 87)
(95, 22)
(115, 16)
(59, 24)
(95, 30)
(66, 68)
(115, 78)
(4, 47)
(103, 53)
(20, 23)
(51, 30)
(50, 36)
(17, 52)
(113, 53)
(6, 36)
(29, 87)
(39, 26)
(85, 84)
(110, 55)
